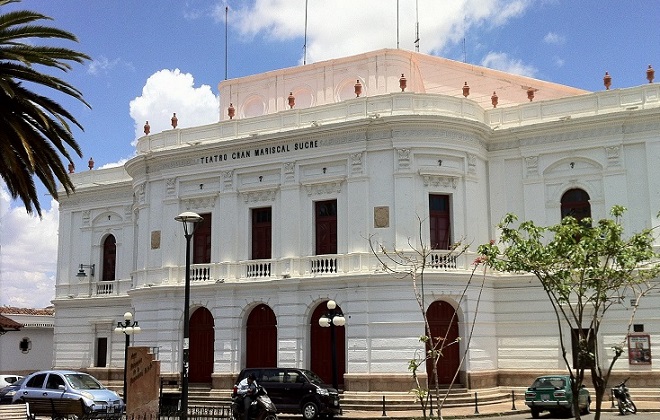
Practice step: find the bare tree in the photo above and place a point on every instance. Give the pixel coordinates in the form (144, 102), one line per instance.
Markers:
(413, 264)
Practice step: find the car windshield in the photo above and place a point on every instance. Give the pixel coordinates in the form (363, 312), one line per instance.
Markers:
(549, 383)
(313, 377)
(82, 381)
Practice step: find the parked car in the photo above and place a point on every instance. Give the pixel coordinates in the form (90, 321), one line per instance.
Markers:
(7, 393)
(8, 380)
(100, 401)
(554, 393)
(296, 391)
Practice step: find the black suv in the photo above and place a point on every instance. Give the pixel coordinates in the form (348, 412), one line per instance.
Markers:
(296, 391)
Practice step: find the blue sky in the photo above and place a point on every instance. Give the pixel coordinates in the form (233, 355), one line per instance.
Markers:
(151, 58)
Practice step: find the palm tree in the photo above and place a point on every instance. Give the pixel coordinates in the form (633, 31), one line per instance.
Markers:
(34, 129)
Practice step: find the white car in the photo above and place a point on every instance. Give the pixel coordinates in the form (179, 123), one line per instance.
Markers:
(8, 380)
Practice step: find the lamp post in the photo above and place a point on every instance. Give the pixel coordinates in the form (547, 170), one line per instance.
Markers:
(128, 328)
(334, 317)
(189, 220)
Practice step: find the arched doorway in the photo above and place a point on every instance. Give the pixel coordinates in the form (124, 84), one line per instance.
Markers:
(261, 338)
(321, 350)
(109, 258)
(202, 338)
(575, 202)
(443, 323)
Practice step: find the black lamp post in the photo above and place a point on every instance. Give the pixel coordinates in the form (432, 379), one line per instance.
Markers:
(189, 220)
(334, 317)
(128, 328)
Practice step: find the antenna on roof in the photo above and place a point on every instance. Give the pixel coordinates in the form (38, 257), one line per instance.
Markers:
(226, 39)
(417, 25)
(305, 44)
(397, 24)
(464, 50)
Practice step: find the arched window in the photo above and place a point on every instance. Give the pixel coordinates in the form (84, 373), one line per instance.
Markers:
(109, 258)
(575, 202)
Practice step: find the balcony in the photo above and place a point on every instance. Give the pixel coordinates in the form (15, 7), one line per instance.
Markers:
(315, 266)
(294, 268)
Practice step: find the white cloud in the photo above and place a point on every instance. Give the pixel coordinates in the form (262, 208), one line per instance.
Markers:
(501, 61)
(374, 23)
(167, 92)
(28, 254)
(554, 39)
(103, 64)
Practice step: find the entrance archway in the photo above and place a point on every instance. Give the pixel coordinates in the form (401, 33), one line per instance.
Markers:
(321, 350)
(261, 338)
(202, 339)
(444, 324)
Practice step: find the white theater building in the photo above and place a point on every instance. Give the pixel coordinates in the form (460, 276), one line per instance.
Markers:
(308, 168)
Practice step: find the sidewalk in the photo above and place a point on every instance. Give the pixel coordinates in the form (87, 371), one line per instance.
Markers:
(502, 409)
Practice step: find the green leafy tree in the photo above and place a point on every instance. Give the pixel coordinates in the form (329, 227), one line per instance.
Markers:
(584, 270)
(34, 129)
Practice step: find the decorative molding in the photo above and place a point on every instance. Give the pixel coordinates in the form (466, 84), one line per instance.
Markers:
(356, 163)
(446, 181)
(403, 156)
(322, 188)
(170, 186)
(86, 216)
(228, 179)
(140, 193)
(197, 203)
(613, 156)
(472, 163)
(289, 172)
(532, 165)
(260, 196)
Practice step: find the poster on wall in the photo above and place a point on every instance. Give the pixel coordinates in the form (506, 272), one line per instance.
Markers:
(639, 349)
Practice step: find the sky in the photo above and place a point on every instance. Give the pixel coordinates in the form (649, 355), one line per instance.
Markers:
(151, 58)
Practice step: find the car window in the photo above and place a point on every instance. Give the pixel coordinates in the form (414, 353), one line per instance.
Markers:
(54, 381)
(549, 383)
(313, 377)
(83, 381)
(292, 377)
(37, 381)
(271, 375)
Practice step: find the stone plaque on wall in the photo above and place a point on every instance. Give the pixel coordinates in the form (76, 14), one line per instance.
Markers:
(142, 383)
(155, 239)
(381, 217)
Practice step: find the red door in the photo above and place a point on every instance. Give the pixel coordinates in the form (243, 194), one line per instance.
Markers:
(261, 338)
(443, 324)
(202, 337)
(439, 221)
(109, 258)
(261, 233)
(202, 241)
(321, 351)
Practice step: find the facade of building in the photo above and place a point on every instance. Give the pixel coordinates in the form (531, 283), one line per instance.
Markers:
(26, 341)
(309, 165)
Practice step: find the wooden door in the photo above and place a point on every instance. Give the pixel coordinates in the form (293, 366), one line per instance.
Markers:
(202, 338)
(321, 351)
(261, 338)
(443, 323)
(326, 227)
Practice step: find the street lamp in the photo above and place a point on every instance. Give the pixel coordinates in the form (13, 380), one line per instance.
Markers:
(334, 317)
(189, 220)
(128, 328)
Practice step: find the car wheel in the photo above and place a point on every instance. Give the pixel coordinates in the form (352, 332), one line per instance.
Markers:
(535, 413)
(310, 410)
(587, 409)
(271, 417)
